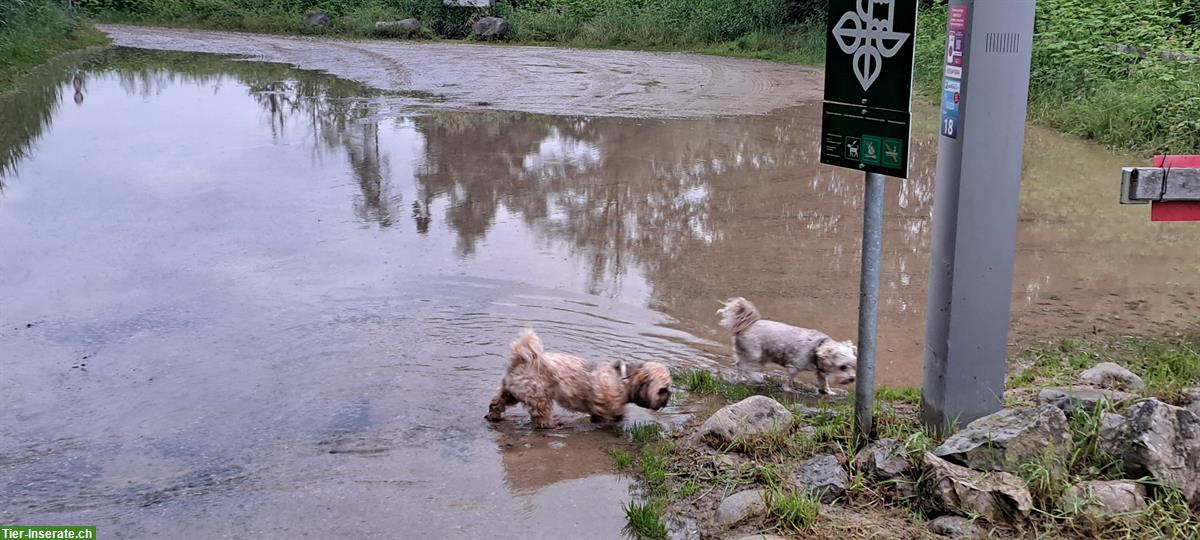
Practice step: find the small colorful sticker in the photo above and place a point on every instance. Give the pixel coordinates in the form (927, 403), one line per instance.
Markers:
(871, 153)
(956, 41)
(951, 104)
(957, 20)
(893, 153)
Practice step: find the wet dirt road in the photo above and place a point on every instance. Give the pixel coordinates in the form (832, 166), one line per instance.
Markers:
(547, 80)
(241, 297)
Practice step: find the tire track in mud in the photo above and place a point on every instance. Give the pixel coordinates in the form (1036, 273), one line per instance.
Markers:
(577, 82)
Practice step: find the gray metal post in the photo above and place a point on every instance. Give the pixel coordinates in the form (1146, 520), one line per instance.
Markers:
(868, 307)
(975, 210)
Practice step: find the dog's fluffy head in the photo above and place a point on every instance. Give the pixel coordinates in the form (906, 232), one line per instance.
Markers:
(649, 385)
(838, 360)
(738, 314)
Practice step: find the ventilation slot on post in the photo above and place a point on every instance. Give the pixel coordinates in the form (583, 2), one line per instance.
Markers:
(1003, 43)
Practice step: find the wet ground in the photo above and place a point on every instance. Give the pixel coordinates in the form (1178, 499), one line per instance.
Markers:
(529, 79)
(241, 297)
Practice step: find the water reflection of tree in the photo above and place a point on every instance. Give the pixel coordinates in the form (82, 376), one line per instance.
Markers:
(694, 204)
(333, 110)
(28, 110)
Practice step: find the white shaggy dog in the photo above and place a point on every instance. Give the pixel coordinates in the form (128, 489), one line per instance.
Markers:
(757, 342)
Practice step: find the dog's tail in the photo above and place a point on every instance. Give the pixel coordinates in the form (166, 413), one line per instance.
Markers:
(526, 350)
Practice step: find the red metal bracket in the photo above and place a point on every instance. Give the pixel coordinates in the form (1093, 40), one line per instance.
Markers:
(1175, 210)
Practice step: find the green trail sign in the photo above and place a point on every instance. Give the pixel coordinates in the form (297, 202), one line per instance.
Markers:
(868, 85)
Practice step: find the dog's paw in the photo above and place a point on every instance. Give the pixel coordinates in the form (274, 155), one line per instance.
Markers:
(831, 391)
(493, 417)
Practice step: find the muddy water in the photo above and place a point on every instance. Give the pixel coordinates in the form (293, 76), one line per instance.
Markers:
(241, 297)
(529, 79)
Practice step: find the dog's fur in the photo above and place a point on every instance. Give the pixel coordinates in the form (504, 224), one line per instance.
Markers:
(539, 379)
(757, 342)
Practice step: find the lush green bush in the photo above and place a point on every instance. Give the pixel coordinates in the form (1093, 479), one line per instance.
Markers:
(1083, 84)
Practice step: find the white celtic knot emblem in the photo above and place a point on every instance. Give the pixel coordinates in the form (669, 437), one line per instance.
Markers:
(870, 40)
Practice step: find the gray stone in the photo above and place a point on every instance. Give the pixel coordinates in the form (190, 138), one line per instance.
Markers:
(317, 18)
(490, 28)
(1006, 439)
(955, 527)
(822, 476)
(1110, 375)
(739, 506)
(1105, 499)
(755, 415)
(1192, 395)
(1074, 398)
(997, 496)
(882, 460)
(682, 528)
(1158, 440)
(1111, 433)
(804, 411)
(903, 488)
(403, 28)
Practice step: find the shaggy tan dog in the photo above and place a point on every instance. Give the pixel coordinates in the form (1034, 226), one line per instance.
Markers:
(539, 379)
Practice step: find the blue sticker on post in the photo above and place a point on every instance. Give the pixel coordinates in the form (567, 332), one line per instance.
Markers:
(951, 100)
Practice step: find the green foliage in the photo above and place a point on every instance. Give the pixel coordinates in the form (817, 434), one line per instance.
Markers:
(621, 458)
(703, 382)
(642, 433)
(1082, 83)
(645, 519)
(793, 511)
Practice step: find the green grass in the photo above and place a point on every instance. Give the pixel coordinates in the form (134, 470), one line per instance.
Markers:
(793, 511)
(1166, 365)
(703, 382)
(645, 519)
(911, 396)
(643, 433)
(621, 458)
(687, 490)
(653, 465)
(34, 31)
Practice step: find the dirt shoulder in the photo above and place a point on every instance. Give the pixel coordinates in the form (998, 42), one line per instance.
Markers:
(529, 79)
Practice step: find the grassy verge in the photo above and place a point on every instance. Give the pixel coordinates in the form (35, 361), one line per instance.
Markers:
(33, 31)
(680, 476)
(1166, 365)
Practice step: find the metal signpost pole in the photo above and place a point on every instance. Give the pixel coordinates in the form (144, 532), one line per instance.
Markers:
(865, 127)
(868, 307)
(984, 97)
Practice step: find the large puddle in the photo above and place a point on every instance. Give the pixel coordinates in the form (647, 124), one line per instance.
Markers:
(240, 297)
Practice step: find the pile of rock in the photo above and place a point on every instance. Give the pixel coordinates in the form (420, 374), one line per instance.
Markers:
(976, 471)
